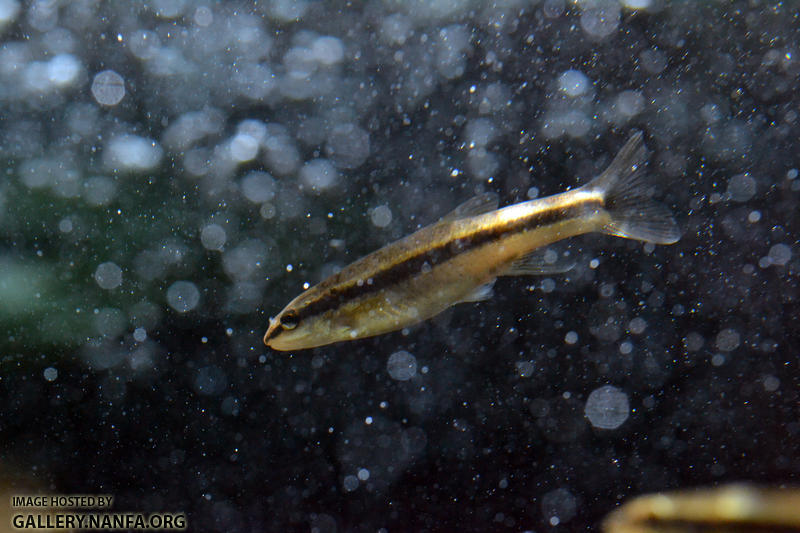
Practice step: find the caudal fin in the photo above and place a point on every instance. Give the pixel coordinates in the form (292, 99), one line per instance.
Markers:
(625, 192)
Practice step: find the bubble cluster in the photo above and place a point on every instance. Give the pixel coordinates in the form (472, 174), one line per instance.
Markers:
(780, 254)
(61, 71)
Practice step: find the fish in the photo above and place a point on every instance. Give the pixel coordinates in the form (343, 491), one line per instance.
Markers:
(734, 508)
(458, 258)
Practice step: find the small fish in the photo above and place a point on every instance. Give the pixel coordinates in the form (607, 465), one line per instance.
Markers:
(458, 258)
(737, 508)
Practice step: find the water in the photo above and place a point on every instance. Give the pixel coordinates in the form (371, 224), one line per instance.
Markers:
(174, 173)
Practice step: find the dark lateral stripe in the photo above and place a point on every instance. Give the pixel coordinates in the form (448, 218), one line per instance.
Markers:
(401, 271)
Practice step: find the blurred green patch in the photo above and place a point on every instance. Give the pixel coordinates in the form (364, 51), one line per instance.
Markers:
(36, 309)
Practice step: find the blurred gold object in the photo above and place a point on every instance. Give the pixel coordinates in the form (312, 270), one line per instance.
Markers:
(730, 508)
(14, 483)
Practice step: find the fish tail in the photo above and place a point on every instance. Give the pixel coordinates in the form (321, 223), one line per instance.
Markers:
(623, 185)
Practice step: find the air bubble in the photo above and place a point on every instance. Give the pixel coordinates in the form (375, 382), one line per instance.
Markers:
(213, 237)
(108, 275)
(108, 88)
(401, 366)
(607, 407)
(381, 216)
(183, 296)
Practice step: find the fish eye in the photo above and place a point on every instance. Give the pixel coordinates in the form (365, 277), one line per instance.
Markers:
(289, 320)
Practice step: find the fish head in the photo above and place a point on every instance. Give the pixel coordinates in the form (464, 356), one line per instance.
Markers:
(296, 329)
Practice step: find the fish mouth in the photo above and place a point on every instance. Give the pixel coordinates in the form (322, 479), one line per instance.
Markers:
(272, 332)
(281, 340)
(282, 345)
(292, 340)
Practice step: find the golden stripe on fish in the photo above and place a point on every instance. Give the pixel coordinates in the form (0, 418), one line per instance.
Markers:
(458, 258)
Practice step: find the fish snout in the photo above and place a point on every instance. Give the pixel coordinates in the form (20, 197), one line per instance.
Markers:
(272, 331)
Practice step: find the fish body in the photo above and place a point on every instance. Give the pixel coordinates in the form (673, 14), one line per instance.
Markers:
(458, 258)
(736, 508)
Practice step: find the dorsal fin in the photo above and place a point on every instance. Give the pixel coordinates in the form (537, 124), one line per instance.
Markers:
(477, 205)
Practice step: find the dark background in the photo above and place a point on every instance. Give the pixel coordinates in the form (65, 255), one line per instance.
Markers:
(490, 433)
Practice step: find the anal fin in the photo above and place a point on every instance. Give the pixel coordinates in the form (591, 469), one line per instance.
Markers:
(539, 262)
